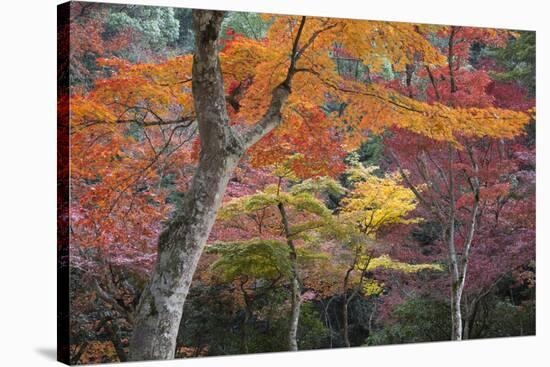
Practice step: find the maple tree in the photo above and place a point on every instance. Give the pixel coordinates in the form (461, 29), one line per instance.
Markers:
(298, 202)
(248, 263)
(465, 173)
(157, 145)
(374, 203)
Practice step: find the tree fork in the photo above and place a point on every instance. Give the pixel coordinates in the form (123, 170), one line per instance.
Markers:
(181, 244)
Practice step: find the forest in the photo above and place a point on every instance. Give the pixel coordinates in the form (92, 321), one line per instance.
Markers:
(250, 183)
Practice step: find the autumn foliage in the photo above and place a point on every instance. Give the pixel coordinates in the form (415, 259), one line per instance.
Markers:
(363, 228)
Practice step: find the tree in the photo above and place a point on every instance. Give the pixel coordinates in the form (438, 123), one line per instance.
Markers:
(460, 175)
(519, 60)
(299, 213)
(249, 263)
(373, 203)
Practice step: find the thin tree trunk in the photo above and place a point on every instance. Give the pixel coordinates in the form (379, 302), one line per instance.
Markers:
(456, 293)
(295, 301)
(348, 299)
(456, 312)
(328, 324)
(433, 82)
(345, 311)
(409, 71)
(345, 304)
(345, 325)
(474, 185)
(456, 289)
(460, 281)
(459, 267)
(295, 305)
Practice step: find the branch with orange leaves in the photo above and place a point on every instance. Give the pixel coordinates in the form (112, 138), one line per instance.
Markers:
(272, 117)
(436, 121)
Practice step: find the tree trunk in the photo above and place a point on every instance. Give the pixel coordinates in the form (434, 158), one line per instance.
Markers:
(459, 269)
(409, 71)
(450, 60)
(295, 304)
(295, 301)
(456, 312)
(355, 291)
(347, 301)
(345, 304)
(456, 284)
(345, 328)
(180, 246)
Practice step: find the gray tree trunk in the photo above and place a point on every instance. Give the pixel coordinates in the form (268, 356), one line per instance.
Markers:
(456, 312)
(459, 266)
(345, 305)
(459, 277)
(296, 289)
(180, 246)
(345, 317)
(160, 309)
(295, 304)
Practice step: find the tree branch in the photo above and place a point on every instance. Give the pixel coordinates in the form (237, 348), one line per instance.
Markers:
(272, 118)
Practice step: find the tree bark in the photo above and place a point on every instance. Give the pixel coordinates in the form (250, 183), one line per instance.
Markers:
(409, 71)
(456, 312)
(295, 304)
(180, 247)
(345, 325)
(181, 244)
(456, 289)
(348, 299)
(459, 266)
(345, 304)
(295, 301)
